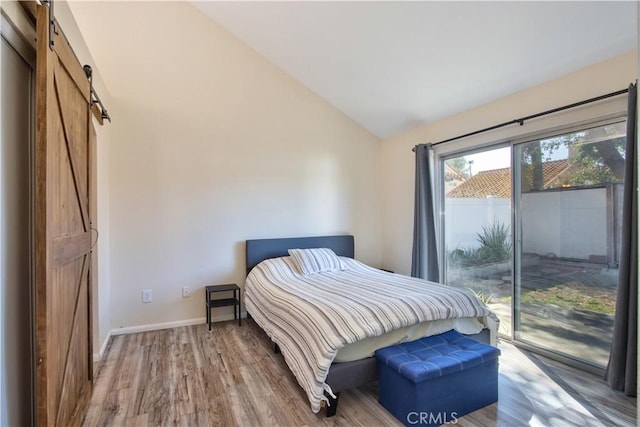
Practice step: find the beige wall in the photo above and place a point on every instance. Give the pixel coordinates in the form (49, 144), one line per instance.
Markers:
(398, 160)
(213, 145)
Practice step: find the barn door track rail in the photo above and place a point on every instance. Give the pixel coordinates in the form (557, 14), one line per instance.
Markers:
(97, 106)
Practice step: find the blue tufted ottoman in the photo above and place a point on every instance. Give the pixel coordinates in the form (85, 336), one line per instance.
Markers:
(436, 380)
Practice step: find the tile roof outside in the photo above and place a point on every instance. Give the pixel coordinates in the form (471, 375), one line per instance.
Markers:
(497, 182)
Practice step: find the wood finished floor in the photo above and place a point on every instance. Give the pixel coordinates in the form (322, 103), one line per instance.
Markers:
(230, 376)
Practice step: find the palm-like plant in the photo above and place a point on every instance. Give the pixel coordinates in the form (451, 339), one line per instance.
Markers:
(495, 243)
(495, 246)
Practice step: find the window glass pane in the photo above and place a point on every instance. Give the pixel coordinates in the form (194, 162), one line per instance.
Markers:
(569, 208)
(589, 157)
(477, 222)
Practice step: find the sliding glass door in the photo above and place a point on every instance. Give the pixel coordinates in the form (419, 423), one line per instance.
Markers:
(568, 205)
(534, 230)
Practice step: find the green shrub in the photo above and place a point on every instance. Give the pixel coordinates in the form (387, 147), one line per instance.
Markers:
(495, 243)
(495, 246)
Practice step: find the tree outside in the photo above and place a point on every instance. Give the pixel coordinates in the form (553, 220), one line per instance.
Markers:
(595, 156)
(460, 165)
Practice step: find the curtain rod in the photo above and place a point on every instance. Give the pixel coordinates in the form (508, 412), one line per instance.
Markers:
(521, 120)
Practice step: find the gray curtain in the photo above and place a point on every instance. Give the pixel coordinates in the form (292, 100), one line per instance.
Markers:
(424, 260)
(621, 371)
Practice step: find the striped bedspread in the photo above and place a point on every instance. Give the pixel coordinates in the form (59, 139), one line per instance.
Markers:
(312, 317)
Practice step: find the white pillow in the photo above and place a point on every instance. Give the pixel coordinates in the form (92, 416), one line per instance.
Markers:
(317, 260)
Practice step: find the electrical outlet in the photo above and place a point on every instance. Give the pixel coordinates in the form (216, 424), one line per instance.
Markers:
(186, 292)
(147, 295)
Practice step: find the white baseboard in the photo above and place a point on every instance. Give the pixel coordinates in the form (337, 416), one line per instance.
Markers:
(157, 326)
(98, 356)
(169, 325)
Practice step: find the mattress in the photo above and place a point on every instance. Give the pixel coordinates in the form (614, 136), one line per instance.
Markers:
(367, 347)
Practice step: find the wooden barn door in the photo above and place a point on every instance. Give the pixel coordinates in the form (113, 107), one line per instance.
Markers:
(62, 302)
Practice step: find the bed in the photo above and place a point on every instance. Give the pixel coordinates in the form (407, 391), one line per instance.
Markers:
(294, 309)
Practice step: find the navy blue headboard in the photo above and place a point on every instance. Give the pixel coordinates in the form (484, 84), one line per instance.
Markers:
(260, 249)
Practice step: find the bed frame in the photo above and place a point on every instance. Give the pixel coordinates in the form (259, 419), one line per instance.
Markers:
(342, 376)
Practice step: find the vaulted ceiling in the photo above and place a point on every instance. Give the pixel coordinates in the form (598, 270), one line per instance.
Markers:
(391, 66)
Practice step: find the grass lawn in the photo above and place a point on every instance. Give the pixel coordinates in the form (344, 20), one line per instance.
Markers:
(573, 296)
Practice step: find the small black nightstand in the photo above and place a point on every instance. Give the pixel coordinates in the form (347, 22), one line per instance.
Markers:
(223, 302)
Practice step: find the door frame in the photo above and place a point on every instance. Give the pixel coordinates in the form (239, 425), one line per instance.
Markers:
(17, 41)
